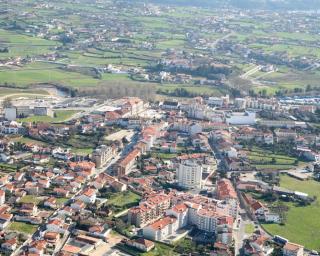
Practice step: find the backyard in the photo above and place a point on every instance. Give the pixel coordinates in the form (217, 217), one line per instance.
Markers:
(23, 227)
(302, 225)
(123, 199)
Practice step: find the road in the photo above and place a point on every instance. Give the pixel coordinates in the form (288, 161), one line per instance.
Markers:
(214, 44)
(84, 112)
(251, 72)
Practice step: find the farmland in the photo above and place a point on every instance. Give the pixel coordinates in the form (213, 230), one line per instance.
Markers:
(38, 50)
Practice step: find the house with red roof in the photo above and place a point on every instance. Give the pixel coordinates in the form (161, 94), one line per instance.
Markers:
(9, 245)
(141, 244)
(88, 196)
(161, 229)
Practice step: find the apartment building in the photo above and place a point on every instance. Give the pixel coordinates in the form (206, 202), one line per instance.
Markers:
(204, 218)
(189, 174)
(149, 210)
(127, 163)
(102, 155)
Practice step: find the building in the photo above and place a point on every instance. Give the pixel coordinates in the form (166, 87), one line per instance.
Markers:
(43, 111)
(282, 124)
(127, 163)
(141, 244)
(171, 105)
(24, 111)
(225, 191)
(285, 135)
(180, 212)
(263, 104)
(149, 210)
(161, 229)
(10, 113)
(2, 197)
(131, 105)
(88, 196)
(215, 101)
(102, 155)
(241, 118)
(189, 174)
(207, 219)
(240, 103)
(291, 249)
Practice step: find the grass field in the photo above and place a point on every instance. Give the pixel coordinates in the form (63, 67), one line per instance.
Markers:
(23, 227)
(9, 91)
(302, 225)
(61, 115)
(26, 140)
(82, 151)
(164, 156)
(265, 159)
(24, 45)
(30, 199)
(160, 250)
(62, 200)
(124, 198)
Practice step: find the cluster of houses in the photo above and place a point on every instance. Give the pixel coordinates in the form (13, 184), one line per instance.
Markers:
(163, 216)
(169, 160)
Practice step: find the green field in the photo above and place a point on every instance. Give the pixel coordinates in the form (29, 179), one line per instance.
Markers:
(265, 159)
(159, 250)
(26, 140)
(23, 227)
(30, 199)
(82, 151)
(24, 45)
(61, 115)
(302, 225)
(165, 156)
(122, 199)
(11, 91)
(62, 200)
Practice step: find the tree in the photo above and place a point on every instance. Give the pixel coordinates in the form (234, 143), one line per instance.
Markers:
(308, 88)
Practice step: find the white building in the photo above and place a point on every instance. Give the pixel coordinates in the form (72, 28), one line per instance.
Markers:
(240, 103)
(161, 229)
(102, 155)
(180, 212)
(195, 128)
(2, 197)
(215, 101)
(89, 196)
(241, 118)
(10, 113)
(189, 174)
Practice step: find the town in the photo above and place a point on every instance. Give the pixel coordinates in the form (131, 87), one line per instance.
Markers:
(129, 177)
(159, 127)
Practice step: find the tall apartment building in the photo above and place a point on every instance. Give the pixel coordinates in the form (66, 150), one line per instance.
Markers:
(189, 174)
(149, 210)
(181, 215)
(102, 155)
